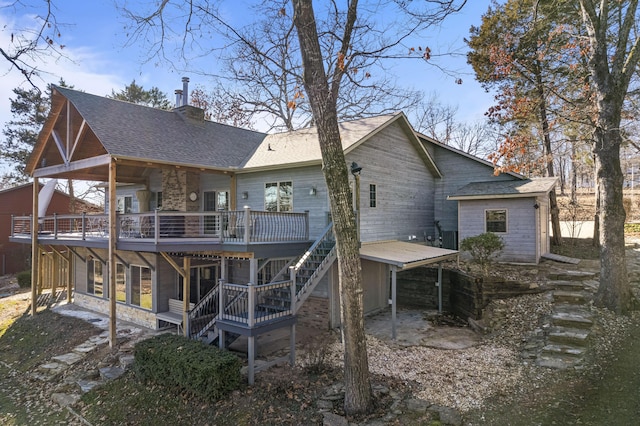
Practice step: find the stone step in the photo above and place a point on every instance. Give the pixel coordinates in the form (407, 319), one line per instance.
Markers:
(568, 336)
(68, 358)
(571, 275)
(572, 318)
(559, 363)
(570, 297)
(565, 285)
(562, 351)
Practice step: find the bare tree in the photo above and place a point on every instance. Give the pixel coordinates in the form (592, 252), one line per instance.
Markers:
(438, 121)
(324, 71)
(27, 43)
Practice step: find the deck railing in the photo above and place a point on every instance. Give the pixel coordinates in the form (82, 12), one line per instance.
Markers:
(252, 305)
(241, 226)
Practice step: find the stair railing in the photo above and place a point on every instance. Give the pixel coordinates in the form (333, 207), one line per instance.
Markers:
(204, 314)
(317, 258)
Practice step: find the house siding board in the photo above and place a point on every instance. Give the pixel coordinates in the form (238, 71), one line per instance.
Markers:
(458, 171)
(404, 187)
(520, 240)
(303, 179)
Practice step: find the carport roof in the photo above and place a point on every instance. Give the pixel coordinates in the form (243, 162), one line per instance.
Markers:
(405, 255)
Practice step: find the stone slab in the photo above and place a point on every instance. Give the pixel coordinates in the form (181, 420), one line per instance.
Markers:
(68, 358)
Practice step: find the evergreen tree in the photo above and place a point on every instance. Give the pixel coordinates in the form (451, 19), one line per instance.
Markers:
(29, 108)
(136, 94)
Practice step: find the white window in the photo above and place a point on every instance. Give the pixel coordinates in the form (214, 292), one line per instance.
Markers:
(125, 204)
(121, 283)
(278, 196)
(141, 287)
(95, 277)
(496, 221)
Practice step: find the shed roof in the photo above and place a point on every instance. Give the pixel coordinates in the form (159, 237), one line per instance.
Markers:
(405, 255)
(505, 189)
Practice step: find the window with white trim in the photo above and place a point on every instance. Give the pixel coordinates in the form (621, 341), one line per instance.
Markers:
(121, 283)
(95, 277)
(496, 221)
(141, 287)
(278, 196)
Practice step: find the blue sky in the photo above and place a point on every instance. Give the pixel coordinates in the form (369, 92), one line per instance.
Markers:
(98, 59)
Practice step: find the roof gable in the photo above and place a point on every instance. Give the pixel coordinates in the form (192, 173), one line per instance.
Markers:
(301, 147)
(132, 131)
(424, 139)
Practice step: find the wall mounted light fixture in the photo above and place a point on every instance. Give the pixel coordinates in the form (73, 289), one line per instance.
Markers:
(245, 195)
(313, 191)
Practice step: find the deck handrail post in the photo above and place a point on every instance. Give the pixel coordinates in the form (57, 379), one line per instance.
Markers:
(251, 301)
(292, 276)
(156, 227)
(83, 225)
(220, 312)
(55, 226)
(247, 221)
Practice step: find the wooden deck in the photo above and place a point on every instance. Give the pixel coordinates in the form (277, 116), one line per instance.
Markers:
(241, 231)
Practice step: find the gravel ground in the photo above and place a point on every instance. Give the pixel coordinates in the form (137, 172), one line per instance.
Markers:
(492, 372)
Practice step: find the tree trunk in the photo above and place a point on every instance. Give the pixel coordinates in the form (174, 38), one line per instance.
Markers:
(358, 397)
(614, 291)
(556, 240)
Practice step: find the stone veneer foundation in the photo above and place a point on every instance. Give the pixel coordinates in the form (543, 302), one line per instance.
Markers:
(138, 316)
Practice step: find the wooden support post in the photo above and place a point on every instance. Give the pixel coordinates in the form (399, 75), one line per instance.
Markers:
(439, 284)
(35, 251)
(292, 346)
(42, 259)
(112, 253)
(186, 292)
(251, 368)
(55, 274)
(221, 302)
(393, 302)
(69, 274)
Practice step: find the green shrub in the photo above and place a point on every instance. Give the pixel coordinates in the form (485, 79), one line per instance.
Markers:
(24, 278)
(483, 249)
(175, 361)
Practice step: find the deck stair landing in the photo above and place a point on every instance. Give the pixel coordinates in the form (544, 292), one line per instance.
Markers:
(570, 323)
(308, 271)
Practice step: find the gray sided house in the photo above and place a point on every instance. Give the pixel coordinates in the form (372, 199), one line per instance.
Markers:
(226, 232)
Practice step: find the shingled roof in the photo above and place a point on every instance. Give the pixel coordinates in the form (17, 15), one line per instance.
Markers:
(301, 147)
(130, 131)
(138, 132)
(505, 189)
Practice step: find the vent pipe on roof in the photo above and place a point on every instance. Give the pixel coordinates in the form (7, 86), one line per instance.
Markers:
(185, 90)
(178, 98)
